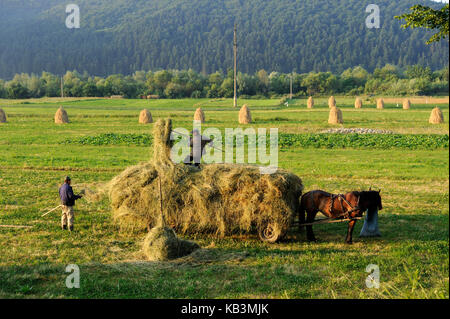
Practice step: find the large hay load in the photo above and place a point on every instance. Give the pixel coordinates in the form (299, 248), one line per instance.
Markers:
(218, 198)
(2, 116)
(199, 115)
(380, 104)
(61, 116)
(245, 116)
(335, 116)
(406, 104)
(436, 116)
(145, 117)
(331, 102)
(358, 103)
(310, 103)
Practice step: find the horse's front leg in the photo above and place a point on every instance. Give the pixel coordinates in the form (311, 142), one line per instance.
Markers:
(309, 230)
(351, 225)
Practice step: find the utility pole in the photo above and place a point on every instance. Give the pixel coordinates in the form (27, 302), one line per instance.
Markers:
(62, 87)
(290, 94)
(235, 66)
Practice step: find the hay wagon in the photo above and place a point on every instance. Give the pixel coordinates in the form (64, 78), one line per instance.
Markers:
(216, 198)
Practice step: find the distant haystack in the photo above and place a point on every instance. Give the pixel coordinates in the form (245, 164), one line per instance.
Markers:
(244, 115)
(145, 117)
(2, 116)
(331, 102)
(436, 116)
(310, 104)
(61, 116)
(358, 103)
(199, 115)
(380, 104)
(335, 116)
(406, 104)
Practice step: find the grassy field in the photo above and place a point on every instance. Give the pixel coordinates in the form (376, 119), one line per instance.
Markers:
(412, 254)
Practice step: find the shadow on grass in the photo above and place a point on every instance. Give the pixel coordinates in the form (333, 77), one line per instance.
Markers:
(207, 273)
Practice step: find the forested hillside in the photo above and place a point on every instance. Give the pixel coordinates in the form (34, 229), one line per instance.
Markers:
(118, 36)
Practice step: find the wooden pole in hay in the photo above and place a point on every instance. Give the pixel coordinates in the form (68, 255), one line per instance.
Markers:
(331, 102)
(406, 104)
(163, 220)
(245, 116)
(199, 115)
(380, 104)
(310, 103)
(358, 103)
(335, 116)
(145, 117)
(2, 116)
(436, 116)
(61, 116)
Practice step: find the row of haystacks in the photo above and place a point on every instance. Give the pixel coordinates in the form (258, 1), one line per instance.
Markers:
(218, 198)
(358, 103)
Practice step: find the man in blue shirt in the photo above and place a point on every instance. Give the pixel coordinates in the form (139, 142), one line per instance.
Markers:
(68, 199)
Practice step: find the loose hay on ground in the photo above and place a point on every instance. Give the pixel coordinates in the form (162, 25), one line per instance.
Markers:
(161, 243)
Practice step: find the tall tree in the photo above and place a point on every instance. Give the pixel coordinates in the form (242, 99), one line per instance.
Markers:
(426, 17)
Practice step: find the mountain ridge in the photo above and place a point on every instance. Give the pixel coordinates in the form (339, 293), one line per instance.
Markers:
(119, 36)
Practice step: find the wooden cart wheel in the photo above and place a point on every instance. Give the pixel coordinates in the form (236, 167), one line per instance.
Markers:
(269, 232)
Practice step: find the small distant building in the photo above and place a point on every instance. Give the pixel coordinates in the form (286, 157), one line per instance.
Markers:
(116, 97)
(152, 97)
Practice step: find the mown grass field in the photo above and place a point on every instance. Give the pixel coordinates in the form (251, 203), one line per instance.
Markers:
(412, 254)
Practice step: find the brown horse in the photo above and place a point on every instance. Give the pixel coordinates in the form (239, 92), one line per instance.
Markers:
(349, 205)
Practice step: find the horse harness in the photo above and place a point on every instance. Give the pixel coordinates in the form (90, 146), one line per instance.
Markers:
(346, 213)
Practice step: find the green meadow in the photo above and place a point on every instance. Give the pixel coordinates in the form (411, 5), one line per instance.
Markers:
(412, 171)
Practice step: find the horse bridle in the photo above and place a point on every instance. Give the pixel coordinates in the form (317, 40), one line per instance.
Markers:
(341, 197)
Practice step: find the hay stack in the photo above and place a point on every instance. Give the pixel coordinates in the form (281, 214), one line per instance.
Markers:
(161, 243)
(358, 103)
(199, 115)
(310, 103)
(331, 102)
(436, 116)
(406, 104)
(61, 116)
(218, 198)
(2, 116)
(335, 116)
(145, 117)
(380, 104)
(244, 115)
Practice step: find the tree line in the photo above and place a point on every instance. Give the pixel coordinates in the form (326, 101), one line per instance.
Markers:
(391, 80)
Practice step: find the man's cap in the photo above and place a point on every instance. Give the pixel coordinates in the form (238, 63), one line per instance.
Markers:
(67, 178)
